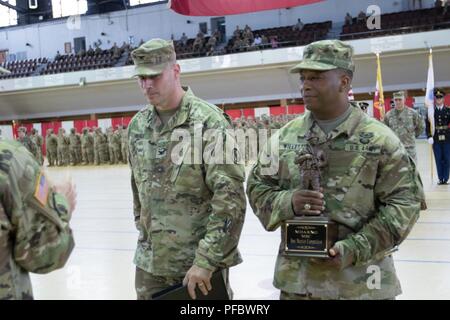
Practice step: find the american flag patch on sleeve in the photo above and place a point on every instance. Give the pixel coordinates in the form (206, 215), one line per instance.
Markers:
(42, 189)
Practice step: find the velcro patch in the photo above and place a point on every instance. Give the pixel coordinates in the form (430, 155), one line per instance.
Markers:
(42, 189)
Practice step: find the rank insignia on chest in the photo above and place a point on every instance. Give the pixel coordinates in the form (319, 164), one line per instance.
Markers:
(161, 152)
(365, 137)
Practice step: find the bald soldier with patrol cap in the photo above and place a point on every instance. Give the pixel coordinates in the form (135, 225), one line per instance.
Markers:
(406, 123)
(370, 186)
(189, 215)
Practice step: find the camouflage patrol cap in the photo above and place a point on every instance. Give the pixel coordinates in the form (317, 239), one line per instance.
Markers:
(151, 58)
(399, 95)
(439, 93)
(326, 55)
(3, 70)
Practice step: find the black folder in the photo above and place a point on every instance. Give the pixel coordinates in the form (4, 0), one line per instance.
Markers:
(179, 292)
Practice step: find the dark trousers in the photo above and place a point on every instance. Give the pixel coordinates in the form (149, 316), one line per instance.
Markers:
(442, 157)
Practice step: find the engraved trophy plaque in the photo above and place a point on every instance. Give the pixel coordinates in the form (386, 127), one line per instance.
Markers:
(310, 236)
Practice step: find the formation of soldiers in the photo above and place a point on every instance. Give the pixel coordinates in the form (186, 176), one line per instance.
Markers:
(91, 147)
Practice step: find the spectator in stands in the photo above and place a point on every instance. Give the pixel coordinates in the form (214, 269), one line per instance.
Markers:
(264, 40)
(248, 35)
(298, 26)
(238, 44)
(58, 55)
(81, 53)
(446, 5)
(218, 36)
(237, 33)
(361, 17)
(90, 51)
(141, 42)
(258, 41)
(274, 42)
(348, 19)
(115, 51)
(184, 39)
(98, 50)
(200, 34)
(211, 43)
(125, 47)
(198, 44)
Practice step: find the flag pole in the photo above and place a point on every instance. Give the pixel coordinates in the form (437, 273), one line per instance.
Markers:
(430, 104)
(431, 146)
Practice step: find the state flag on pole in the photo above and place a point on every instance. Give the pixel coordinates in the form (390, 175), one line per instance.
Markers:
(429, 96)
(378, 101)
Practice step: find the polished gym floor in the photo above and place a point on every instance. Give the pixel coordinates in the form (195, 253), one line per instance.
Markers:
(101, 267)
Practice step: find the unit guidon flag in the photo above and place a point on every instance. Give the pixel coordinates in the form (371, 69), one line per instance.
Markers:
(229, 7)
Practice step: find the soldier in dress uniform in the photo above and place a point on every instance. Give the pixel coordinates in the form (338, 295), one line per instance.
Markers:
(440, 136)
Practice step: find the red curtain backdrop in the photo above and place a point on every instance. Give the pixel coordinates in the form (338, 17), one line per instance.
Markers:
(126, 121)
(249, 112)
(123, 121)
(80, 124)
(447, 100)
(274, 111)
(296, 109)
(409, 101)
(116, 122)
(233, 113)
(228, 7)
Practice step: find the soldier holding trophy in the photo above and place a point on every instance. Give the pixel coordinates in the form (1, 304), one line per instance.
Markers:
(345, 192)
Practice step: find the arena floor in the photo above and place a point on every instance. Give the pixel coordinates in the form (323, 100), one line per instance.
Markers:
(101, 264)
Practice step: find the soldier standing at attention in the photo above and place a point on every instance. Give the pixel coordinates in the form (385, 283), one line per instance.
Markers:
(189, 216)
(440, 139)
(74, 142)
(34, 221)
(87, 147)
(370, 186)
(110, 142)
(124, 144)
(51, 143)
(38, 141)
(406, 123)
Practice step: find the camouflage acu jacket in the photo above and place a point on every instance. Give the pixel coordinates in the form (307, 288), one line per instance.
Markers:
(34, 231)
(407, 125)
(372, 190)
(186, 213)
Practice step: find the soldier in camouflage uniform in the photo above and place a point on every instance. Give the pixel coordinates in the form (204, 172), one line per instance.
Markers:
(116, 144)
(63, 148)
(39, 142)
(34, 222)
(124, 144)
(87, 147)
(103, 147)
(96, 138)
(51, 143)
(27, 142)
(74, 147)
(371, 187)
(110, 139)
(406, 123)
(189, 216)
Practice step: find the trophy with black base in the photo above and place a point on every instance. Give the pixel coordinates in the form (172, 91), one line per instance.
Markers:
(310, 236)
